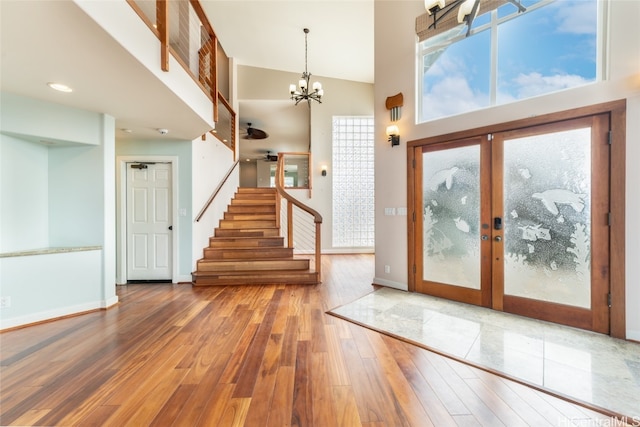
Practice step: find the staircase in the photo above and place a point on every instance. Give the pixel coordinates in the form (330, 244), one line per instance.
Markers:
(247, 247)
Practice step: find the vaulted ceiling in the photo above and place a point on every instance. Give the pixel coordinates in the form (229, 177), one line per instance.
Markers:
(269, 34)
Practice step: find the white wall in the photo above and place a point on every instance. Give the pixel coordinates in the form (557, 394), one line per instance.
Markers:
(248, 174)
(24, 169)
(395, 71)
(211, 162)
(263, 172)
(56, 183)
(76, 196)
(53, 285)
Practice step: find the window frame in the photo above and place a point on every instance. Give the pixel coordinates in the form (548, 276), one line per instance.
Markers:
(362, 234)
(602, 70)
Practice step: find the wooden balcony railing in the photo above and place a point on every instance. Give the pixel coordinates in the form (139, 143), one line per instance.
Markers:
(306, 221)
(185, 33)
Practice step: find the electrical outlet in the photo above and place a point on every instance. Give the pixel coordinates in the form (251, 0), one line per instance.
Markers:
(387, 269)
(5, 302)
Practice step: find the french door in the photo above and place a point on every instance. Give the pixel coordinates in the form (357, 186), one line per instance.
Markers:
(518, 221)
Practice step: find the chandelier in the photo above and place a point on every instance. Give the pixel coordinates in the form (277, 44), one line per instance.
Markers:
(303, 92)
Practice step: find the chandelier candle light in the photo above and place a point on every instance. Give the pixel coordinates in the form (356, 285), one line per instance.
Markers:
(302, 92)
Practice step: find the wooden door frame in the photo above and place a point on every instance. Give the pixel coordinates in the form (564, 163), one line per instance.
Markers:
(595, 318)
(121, 213)
(480, 296)
(617, 117)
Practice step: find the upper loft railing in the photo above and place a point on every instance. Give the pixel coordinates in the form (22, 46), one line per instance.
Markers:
(184, 31)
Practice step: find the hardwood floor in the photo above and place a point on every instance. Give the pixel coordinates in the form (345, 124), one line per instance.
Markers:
(254, 356)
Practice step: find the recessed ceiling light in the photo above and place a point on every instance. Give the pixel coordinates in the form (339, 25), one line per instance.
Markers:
(126, 130)
(59, 87)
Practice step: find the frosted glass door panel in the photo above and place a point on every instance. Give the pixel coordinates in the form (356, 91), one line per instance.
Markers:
(451, 216)
(547, 209)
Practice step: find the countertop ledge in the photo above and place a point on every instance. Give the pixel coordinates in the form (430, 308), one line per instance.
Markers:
(53, 250)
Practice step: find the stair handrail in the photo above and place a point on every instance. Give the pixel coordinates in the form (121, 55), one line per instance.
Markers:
(317, 218)
(216, 191)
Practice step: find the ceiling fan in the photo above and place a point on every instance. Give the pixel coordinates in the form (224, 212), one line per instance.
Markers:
(266, 155)
(271, 157)
(254, 133)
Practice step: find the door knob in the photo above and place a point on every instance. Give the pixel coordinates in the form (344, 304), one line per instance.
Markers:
(171, 227)
(484, 237)
(498, 238)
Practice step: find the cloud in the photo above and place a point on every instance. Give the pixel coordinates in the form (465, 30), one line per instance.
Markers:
(577, 17)
(533, 84)
(452, 95)
(450, 90)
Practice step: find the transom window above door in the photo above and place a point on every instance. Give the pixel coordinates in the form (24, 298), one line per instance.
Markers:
(509, 56)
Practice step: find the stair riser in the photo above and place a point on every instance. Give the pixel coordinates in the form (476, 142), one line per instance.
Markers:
(235, 254)
(232, 232)
(258, 209)
(306, 279)
(252, 265)
(253, 202)
(243, 242)
(255, 196)
(250, 216)
(243, 224)
(256, 190)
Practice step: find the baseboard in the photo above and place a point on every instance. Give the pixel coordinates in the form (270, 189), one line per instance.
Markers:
(58, 313)
(347, 251)
(390, 284)
(633, 335)
(110, 302)
(184, 279)
(342, 251)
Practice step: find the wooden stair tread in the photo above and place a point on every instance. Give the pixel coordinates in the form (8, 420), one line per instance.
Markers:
(247, 248)
(247, 208)
(230, 253)
(249, 278)
(247, 223)
(252, 201)
(264, 264)
(245, 242)
(242, 216)
(247, 232)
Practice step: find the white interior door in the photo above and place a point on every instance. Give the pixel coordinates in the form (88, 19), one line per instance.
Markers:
(149, 221)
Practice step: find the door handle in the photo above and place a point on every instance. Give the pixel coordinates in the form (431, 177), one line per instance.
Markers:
(498, 238)
(171, 227)
(484, 237)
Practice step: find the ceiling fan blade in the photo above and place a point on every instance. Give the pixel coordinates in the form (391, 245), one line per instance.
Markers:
(253, 133)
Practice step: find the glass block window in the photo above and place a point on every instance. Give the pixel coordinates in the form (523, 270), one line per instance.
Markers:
(353, 182)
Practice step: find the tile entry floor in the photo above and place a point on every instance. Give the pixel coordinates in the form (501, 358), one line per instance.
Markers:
(582, 365)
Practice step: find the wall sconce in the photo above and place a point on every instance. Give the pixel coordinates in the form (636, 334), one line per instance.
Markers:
(324, 170)
(394, 135)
